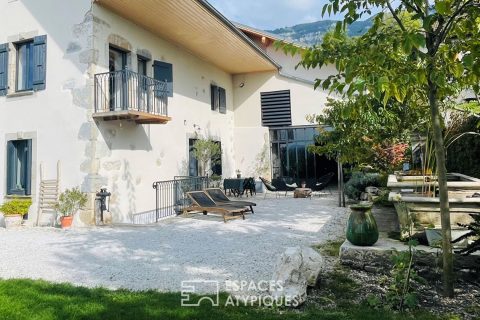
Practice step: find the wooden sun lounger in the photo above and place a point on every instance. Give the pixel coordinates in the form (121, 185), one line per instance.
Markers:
(217, 195)
(203, 203)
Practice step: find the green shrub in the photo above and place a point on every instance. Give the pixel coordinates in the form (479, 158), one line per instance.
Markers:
(382, 198)
(462, 154)
(70, 202)
(358, 182)
(16, 206)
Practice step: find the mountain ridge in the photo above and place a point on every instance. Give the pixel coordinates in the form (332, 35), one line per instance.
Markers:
(312, 33)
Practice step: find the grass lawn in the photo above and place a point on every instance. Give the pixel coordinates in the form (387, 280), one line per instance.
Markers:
(29, 299)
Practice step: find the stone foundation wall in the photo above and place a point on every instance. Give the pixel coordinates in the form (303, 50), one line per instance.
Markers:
(427, 260)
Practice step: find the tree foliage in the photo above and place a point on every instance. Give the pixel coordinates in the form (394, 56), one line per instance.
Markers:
(362, 131)
(463, 145)
(206, 151)
(422, 53)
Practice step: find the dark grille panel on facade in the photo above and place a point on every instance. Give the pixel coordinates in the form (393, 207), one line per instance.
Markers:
(276, 110)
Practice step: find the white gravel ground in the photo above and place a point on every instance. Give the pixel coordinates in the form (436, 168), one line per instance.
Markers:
(180, 248)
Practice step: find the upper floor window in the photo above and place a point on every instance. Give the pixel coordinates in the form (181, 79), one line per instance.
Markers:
(29, 70)
(163, 71)
(142, 65)
(117, 59)
(25, 66)
(218, 98)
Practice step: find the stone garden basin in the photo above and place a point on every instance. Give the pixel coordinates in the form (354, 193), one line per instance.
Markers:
(459, 185)
(425, 209)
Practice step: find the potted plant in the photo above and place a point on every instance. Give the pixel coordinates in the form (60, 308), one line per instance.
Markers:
(14, 210)
(208, 153)
(215, 180)
(68, 204)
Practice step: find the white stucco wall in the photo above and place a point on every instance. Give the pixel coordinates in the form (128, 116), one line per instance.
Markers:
(131, 157)
(52, 117)
(125, 157)
(289, 64)
(304, 99)
(122, 155)
(252, 149)
(250, 137)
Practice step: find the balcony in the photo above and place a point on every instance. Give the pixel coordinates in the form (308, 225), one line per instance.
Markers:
(126, 95)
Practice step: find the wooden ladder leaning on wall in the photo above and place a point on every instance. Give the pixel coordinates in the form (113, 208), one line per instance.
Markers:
(48, 196)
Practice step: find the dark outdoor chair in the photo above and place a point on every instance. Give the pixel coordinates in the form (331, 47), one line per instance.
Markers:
(249, 186)
(323, 182)
(289, 186)
(202, 202)
(220, 198)
(270, 188)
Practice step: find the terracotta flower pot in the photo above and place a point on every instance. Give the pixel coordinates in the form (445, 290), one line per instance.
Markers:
(66, 221)
(361, 226)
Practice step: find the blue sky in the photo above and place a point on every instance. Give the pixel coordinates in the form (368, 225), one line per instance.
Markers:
(271, 14)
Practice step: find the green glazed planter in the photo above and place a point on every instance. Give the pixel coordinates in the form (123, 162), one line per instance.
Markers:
(361, 226)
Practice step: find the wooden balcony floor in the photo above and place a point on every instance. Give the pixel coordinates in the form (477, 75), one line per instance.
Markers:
(132, 115)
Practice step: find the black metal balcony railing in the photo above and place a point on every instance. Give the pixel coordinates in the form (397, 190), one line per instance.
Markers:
(171, 196)
(129, 91)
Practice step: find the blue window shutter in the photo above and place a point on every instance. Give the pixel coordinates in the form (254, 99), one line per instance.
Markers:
(28, 168)
(39, 62)
(11, 154)
(222, 100)
(3, 69)
(163, 71)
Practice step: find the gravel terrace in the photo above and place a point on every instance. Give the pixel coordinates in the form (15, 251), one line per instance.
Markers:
(160, 257)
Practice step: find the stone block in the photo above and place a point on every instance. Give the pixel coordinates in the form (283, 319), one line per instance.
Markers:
(297, 268)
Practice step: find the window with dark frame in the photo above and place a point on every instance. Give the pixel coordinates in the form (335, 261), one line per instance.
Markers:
(142, 65)
(163, 71)
(290, 157)
(193, 162)
(117, 59)
(25, 66)
(19, 167)
(217, 162)
(218, 97)
(29, 68)
(142, 71)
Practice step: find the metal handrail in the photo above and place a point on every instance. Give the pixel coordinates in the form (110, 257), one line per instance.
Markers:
(127, 90)
(171, 195)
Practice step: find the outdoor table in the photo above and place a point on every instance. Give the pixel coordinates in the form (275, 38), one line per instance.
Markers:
(302, 193)
(234, 185)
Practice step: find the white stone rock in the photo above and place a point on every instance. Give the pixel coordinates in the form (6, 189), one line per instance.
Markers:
(312, 264)
(297, 268)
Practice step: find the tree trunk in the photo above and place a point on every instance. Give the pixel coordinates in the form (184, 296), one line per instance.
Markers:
(443, 190)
